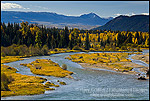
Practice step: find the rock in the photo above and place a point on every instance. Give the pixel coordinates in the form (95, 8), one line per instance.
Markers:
(124, 71)
(147, 73)
(139, 74)
(38, 67)
(141, 78)
(9, 68)
(64, 67)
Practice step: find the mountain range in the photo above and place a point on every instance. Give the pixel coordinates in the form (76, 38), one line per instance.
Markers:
(48, 18)
(127, 23)
(85, 21)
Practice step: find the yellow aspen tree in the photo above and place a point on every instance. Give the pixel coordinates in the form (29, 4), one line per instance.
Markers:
(136, 41)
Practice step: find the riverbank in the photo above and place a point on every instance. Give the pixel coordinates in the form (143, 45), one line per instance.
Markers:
(111, 61)
(143, 57)
(109, 67)
(14, 84)
(19, 84)
(65, 50)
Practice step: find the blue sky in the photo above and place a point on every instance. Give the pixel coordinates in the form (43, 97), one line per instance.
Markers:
(77, 8)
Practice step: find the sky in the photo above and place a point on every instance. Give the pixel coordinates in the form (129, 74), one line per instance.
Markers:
(77, 8)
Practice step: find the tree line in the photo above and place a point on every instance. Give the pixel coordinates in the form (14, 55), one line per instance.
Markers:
(35, 36)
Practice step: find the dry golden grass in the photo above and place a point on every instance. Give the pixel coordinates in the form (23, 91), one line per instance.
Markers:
(110, 60)
(47, 67)
(8, 59)
(24, 89)
(62, 50)
(22, 84)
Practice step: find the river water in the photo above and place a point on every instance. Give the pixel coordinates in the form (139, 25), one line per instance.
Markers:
(88, 84)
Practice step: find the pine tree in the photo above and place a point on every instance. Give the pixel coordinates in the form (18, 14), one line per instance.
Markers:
(70, 44)
(52, 42)
(66, 37)
(87, 43)
(48, 40)
(98, 38)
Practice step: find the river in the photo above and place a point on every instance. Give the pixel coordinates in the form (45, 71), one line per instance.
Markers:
(88, 84)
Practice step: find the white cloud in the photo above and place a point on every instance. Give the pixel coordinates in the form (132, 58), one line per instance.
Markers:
(119, 14)
(130, 14)
(133, 14)
(6, 6)
(145, 13)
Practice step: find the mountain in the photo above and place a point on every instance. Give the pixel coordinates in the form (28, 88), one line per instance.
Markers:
(127, 23)
(52, 18)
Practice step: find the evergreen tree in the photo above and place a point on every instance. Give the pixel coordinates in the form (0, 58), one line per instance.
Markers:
(130, 38)
(70, 44)
(48, 40)
(87, 43)
(38, 39)
(98, 38)
(66, 37)
(80, 42)
(52, 42)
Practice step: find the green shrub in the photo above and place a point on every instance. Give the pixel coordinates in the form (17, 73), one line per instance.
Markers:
(44, 50)
(4, 82)
(3, 54)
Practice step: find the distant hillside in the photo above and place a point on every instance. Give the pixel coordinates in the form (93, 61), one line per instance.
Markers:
(127, 23)
(52, 18)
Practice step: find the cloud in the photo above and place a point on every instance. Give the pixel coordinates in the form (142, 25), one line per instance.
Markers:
(145, 13)
(40, 7)
(6, 6)
(130, 14)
